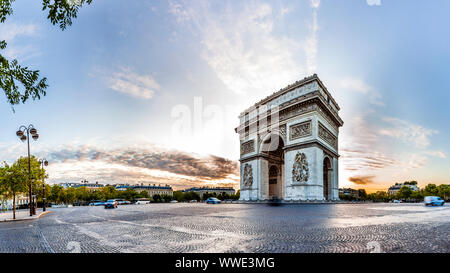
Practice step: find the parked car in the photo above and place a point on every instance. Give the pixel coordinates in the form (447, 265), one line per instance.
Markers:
(142, 201)
(97, 203)
(111, 204)
(397, 201)
(433, 201)
(193, 201)
(212, 200)
(174, 201)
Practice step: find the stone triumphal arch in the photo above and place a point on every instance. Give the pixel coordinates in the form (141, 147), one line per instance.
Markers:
(289, 144)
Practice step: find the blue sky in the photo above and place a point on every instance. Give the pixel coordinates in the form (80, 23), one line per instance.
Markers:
(150, 91)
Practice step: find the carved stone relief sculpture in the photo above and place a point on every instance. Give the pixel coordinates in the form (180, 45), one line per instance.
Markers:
(248, 175)
(248, 147)
(300, 169)
(300, 130)
(326, 135)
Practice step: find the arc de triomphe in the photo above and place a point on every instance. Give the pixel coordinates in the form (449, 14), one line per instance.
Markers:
(289, 144)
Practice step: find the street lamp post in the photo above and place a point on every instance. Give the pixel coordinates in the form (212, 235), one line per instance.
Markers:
(21, 134)
(43, 162)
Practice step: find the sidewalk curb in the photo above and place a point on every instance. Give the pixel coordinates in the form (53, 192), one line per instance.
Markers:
(43, 213)
(28, 218)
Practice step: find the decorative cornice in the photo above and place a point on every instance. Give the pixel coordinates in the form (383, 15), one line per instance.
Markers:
(291, 87)
(310, 98)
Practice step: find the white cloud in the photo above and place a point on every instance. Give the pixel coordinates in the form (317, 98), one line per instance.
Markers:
(416, 161)
(408, 132)
(439, 154)
(310, 46)
(181, 14)
(119, 162)
(130, 83)
(315, 4)
(368, 147)
(284, 11)
(10, 32)
(358, 85)
(239, 44)
(373, 2)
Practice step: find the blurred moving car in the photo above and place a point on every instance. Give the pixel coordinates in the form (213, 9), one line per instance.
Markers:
(174, 201)
(122, 202)
(142, 201)
(193, 201)
(275, 201)
(111, 204)
(433, 201)
(97, 203)
(212, 200)
(397, 201)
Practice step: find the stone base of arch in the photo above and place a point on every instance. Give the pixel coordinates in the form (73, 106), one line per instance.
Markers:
(290, 190)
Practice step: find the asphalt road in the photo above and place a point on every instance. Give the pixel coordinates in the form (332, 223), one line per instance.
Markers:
(251, 228)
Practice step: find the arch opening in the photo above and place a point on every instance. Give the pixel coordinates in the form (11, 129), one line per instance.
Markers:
(272, 147)
(327, 174)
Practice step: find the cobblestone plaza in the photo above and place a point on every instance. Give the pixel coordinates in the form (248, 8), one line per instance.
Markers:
(254, 228)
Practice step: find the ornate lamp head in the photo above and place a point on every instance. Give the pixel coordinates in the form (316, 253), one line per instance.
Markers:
(33, 131)
(23, 138)
(35, 136)
(19, 133)
(46, 163)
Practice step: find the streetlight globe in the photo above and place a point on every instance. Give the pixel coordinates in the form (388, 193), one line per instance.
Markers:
(19, 133)
(46, 163)
(35, 136)
(33, 131)
(23, 138)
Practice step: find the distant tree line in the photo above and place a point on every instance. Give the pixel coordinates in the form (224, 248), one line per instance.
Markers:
(188, 196)
(83, 196)
(404, 193)
(14, 181)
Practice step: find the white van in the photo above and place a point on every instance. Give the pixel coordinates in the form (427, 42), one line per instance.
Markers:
(142, 201)
(433, 201)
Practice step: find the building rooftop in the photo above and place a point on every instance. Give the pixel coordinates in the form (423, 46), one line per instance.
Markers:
(166, 187)
(209, 188)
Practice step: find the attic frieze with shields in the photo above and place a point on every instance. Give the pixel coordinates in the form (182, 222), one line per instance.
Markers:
(308, 103)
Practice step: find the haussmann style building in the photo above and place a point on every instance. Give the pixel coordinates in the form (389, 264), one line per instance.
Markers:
(150, 189)
(289, 145)
(216, 190)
